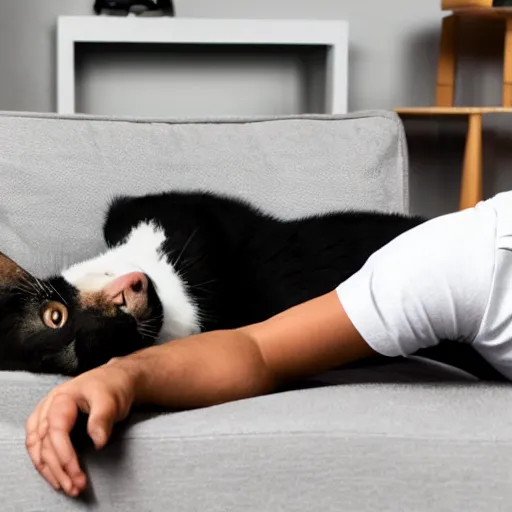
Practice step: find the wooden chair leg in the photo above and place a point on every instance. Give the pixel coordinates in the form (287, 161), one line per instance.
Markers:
(471, 186)
(507, 65)
(447, 63)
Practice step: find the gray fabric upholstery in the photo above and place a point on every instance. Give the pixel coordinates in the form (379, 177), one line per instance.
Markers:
(58, 173)
(405, 436)
(353, 447)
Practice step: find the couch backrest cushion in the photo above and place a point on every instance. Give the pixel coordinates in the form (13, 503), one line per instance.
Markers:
(58, 173)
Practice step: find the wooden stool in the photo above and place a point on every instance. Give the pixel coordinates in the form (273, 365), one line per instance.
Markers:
(447, 64)
(471, 180)
(472, 176)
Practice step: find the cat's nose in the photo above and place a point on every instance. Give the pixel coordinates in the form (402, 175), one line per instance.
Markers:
(127, 287)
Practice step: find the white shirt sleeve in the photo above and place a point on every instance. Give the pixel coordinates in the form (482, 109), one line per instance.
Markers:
(429, 284)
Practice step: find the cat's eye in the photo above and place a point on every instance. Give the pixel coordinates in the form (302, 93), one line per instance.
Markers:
(55, 315)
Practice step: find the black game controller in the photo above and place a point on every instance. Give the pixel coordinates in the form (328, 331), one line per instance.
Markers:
(138, 7)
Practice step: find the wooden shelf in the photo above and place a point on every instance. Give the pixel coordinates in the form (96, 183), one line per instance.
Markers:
(475, 7)
(466, 4)
(471, 180)
(452, 111)
(481, 12)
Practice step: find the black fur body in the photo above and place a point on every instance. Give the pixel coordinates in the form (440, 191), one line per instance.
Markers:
(242, 265)
(239, 265)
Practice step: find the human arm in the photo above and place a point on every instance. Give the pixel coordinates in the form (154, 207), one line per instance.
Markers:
(202, 370)
(431, 283)
(228, 365)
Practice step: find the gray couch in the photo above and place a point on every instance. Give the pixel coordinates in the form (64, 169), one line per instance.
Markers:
(411, 436)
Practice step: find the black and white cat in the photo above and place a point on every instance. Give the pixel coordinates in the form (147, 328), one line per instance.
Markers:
(177, 264)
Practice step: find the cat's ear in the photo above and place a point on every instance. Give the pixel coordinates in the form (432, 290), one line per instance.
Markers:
(10, 272)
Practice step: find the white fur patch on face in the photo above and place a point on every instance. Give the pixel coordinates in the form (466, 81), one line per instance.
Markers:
(141, 252)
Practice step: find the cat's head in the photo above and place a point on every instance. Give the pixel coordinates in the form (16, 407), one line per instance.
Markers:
(56, 326)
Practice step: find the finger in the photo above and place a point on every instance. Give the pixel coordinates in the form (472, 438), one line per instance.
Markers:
(52, 462)
(46, 472)
(77, 480)
(61, 418)
(33, 420)
(33, 445)
(42, 422)
(43, 414)
(67, 457)
(32, 433)
(103, 415)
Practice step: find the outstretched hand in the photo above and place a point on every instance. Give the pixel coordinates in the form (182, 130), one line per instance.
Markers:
(198, 371)
(106, 394)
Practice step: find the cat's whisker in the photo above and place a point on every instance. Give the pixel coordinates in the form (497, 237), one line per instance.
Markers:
(151, 321)
(38, 282)
(151, 324)
(148, 326)
(204, 290)
(175, 264)
(201, 284)
(61, 297)
(25, 289)
(204, 316)
(145, 323)
(48, 291)
(147, 330)
(151, 333)
(43, 289)
(151, 338)
(188, 263)
(147, 334)
(46, 286)
(29, 282)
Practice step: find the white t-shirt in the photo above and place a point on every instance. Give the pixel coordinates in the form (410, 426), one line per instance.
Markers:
(449, 278)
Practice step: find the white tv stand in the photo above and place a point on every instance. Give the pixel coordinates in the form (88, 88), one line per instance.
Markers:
(202, 31)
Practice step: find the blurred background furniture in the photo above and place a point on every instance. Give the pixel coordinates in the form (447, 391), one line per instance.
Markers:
(447, 63)
(471, 190)
(329, 34)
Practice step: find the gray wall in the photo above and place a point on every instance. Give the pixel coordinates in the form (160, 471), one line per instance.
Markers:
(393, 57)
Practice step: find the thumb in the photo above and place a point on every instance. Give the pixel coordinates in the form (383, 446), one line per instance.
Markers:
(102, 417)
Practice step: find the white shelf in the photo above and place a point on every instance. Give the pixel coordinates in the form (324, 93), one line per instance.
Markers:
(201, 31)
